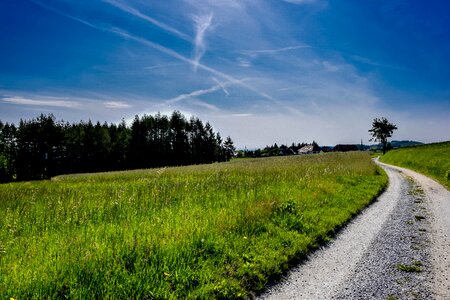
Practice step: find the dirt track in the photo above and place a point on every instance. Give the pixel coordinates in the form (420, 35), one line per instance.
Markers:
(399, 247)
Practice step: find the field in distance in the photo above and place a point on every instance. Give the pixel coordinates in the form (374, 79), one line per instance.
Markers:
(208, 231)
(431, 159)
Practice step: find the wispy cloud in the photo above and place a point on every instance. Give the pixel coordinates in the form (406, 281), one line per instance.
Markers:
(150, 44)
(39, 102)
(202, 23)
(178, 56)
(291, 88)
(160, 66)
(194, 94)
(244, 115)
(252, 39)
(116, 104)
(245, 63)
(371, 62)
(203, 104)
(201, 92)
(301, 1)
(221, 85)
(277, 50)
(60, 12)
(133, 11)
(330, 67)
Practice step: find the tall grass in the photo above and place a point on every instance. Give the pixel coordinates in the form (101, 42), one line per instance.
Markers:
(432, 160)
(208, 231)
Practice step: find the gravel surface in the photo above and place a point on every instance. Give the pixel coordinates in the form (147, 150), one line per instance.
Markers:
(398, 248)
(437, 199)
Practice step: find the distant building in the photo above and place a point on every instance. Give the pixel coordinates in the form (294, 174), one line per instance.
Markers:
(308, 149)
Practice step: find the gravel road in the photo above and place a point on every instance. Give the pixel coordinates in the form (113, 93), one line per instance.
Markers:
(398, 248)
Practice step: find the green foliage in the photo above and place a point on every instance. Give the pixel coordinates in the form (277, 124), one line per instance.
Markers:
(208, 231)
(381, 130)
(7, 151)
(228, 148)
(275, 150)
(41, 148)
(432, 160)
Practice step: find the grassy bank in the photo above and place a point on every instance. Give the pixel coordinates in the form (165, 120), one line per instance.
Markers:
(208, 231)
(432, 160)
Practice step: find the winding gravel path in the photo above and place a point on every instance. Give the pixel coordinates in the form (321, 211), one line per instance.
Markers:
(398, 248)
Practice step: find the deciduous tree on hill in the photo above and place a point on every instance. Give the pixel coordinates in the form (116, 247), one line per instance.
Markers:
(381, 130)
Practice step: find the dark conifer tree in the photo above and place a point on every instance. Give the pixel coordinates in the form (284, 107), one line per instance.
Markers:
(179, 140)
(42, 147)
(8, 152)
(229, 148)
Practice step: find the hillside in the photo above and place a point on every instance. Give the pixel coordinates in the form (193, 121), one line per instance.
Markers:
(394, 144)
(207, 231)
(403, 144)
(430, 159)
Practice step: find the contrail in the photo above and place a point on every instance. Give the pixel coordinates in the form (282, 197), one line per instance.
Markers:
(221, 85)
(126, 8)
(270, 51)
(201, 26)
(171, 53)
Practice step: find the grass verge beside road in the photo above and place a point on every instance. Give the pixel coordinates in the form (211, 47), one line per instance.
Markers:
(208, 231)
(431, 159)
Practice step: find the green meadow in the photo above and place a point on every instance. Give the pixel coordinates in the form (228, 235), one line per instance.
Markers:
(431, 159)
(209, 231)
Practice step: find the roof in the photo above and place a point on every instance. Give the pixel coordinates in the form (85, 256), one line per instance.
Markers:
(306, 149)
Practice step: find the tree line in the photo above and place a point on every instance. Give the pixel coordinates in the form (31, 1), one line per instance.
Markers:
(275, 150)
(44, 147)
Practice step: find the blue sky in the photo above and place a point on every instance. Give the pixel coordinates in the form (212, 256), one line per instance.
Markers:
(261, 71)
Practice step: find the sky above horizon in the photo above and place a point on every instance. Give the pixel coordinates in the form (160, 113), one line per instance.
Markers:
(260, 71)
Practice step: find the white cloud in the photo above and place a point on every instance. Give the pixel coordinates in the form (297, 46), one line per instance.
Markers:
(202, 24)
(39, 102)
(245, 63)
(277, 50)
(330, 67)
(57, 11)
(193, 94)
(161, 66)
(371, 62)
(291, 88)
(221, 85)
(301, 1)
(312, 93)
(203, 104)
(233, 4)
(126, 8)
(242, 115)
(116, 104)
(331, 126)
(178, 56)
(201, 92)
(224, 6)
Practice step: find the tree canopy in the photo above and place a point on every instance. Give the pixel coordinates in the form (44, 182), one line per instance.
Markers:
(381, 130)
(44, 147)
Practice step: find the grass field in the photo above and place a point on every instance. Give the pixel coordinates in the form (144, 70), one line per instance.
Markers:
(432, 160)
(208, 231)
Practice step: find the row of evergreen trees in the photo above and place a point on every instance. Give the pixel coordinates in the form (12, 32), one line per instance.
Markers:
(43, 147)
